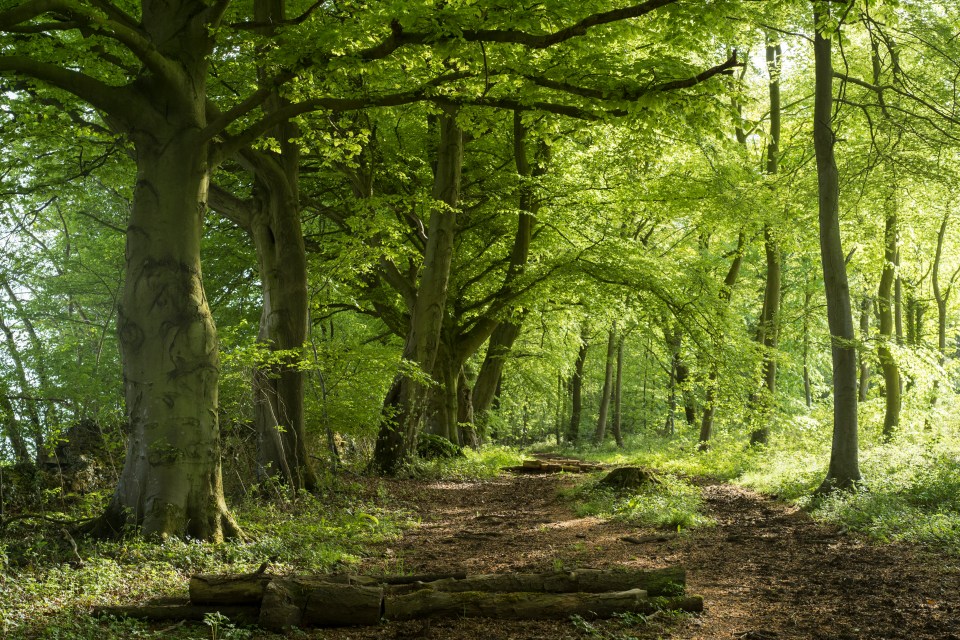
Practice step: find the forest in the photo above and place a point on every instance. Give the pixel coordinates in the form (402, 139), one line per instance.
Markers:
(376, 293)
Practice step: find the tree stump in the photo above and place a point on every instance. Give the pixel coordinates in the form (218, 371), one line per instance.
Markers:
(630, 478)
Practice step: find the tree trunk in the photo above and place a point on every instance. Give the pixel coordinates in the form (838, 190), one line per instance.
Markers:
(278, 237)
(866, 310)
(768, 334)
(27, 391)
(171, 481)
(576, 390)
(404, 404)
(710, 399)
(12, 429)
(617, 395)
(443, 399)
(607, 393)
(807, 387)
(507, 331)
(844, 470)
(466, 417)
(891, 373)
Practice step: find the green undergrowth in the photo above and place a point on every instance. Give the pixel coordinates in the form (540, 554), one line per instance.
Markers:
(46, 592)
(472, 465)
(670, 503)
(910, 490)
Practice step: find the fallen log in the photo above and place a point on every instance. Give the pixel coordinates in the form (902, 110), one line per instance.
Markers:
(526, 606)
(279, 603)
(249, 589)
(216, 589)
(308, 602)
(554, 465)
(656, 582)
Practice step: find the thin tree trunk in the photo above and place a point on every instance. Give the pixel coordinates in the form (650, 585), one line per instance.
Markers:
(503, 337)
(576, 390)
(618, 395)
(278, 237)
(710, 393)
(404, 404)
(12, 429)
(863, 386)
(768, 334)
(465, 412)
(607, 393)
(844, 470)
(891, 373)
(26, 391)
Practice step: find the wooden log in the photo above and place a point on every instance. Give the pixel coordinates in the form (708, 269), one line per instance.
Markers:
(282, 606)
(313, 602)
(224, 589)
(238, 614)
(526, 605)
(333, 605)
(656, 582)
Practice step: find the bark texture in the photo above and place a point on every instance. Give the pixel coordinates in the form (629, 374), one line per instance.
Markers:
(404, 404)
(844, 470)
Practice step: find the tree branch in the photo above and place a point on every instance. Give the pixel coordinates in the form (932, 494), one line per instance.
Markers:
(116, 100)
(399, 38)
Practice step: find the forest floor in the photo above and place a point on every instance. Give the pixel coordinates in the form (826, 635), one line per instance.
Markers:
(766, 570)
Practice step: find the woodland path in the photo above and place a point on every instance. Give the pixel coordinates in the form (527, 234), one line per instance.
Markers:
(766, 570)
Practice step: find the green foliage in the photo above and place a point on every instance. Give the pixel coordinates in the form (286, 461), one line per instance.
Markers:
(488, 462)
(46, 593)
(673, 503)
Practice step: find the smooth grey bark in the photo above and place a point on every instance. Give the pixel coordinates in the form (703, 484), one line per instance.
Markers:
(768, 331)
(404, 404)
(618, 395)
(607, 393)
(171, 481)
(576, 389)
(863, 384)
(805, 346)
(507, 331)
(277, 235)
(844, 469)
(891, 372)
(710, 393)
(678, 378)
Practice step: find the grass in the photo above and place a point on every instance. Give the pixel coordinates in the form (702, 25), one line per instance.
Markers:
(673, 503)
(46, 593)
(910, 490)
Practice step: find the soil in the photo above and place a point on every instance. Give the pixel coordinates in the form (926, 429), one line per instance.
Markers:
(766, 570)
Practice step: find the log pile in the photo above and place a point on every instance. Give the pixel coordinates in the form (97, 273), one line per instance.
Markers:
(278, 603)
(555, 465)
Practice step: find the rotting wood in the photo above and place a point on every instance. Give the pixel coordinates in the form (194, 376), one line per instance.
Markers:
(656, 582)
(555, 465)
(218, 589)
(630, 478)
(346, 600)
(525, 605)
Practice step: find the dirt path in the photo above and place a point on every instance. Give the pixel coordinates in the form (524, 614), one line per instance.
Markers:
(766, 571)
